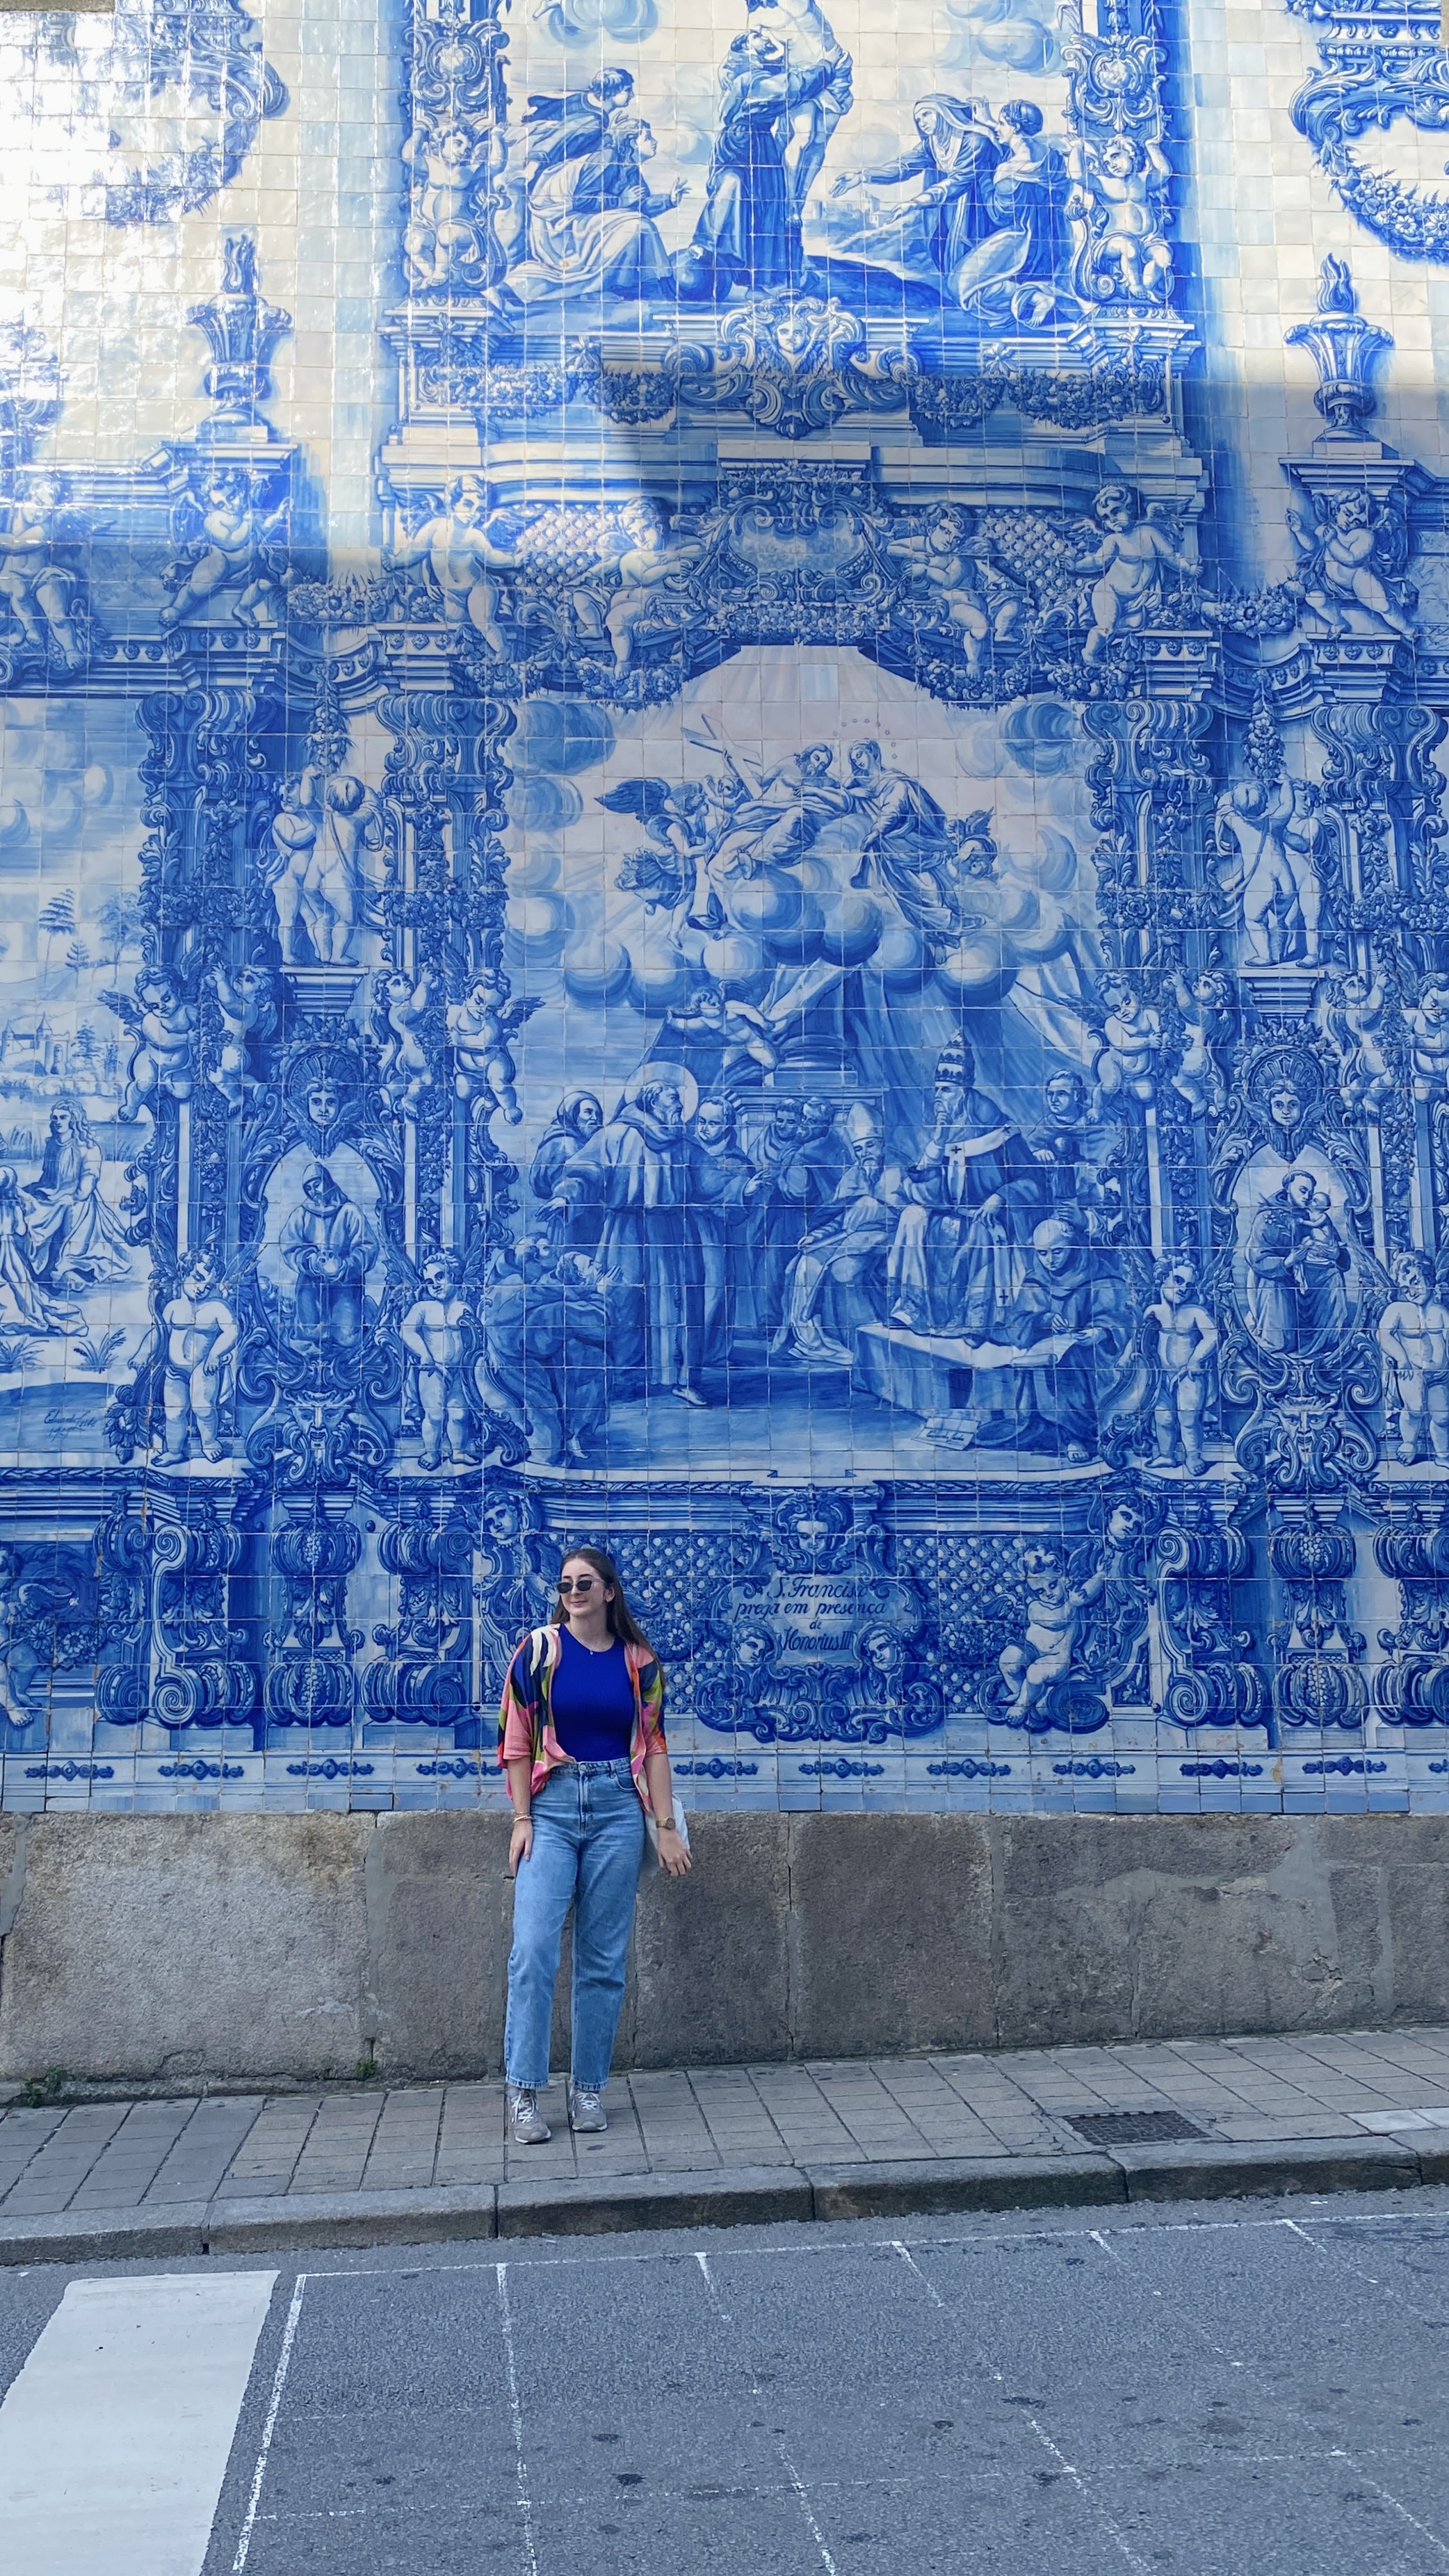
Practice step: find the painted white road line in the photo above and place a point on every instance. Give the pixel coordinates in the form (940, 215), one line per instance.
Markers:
(114, 2438)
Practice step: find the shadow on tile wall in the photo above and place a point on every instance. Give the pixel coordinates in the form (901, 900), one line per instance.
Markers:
(736, 847)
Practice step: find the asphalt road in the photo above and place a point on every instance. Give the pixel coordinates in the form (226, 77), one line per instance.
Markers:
(1234, 2390)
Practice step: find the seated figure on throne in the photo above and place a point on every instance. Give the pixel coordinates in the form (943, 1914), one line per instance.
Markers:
(836, 1279)
(972, 1198)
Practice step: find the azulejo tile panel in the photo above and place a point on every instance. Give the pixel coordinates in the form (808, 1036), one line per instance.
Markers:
(722, 828)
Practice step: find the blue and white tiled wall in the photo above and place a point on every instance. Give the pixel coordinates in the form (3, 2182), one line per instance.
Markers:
(722, 768)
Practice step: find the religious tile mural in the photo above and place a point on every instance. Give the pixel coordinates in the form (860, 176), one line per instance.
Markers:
(723, 742)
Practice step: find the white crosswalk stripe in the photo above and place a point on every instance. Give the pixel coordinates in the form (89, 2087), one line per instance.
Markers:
(115, 2436)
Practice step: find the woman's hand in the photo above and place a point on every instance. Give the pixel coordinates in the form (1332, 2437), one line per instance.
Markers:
(674, 1857)
(520, 1843)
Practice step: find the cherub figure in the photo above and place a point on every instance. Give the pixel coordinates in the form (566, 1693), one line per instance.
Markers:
(247, 1011)
(665, 873)
(974, 594)
(1124, 251)
(1053, 1620)
(1349, 1010)
(1129, 561)
(1132, 1035)
(1206, 1005)
(337, 896)
(649, 574)
(403, 1065)
(225, 536)
(465, 550)
(480, 1027)
(39, 593)
(435, 1333)
(735, 1026)
(1413, 1335)
(1339, 562)
(1186, 1340)
(973, 850)
(448, 241)
(1427, 1021)
(289, 865)
(202, 1333)
(164, 1029)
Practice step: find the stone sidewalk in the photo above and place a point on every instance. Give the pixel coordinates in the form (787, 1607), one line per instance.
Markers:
(371, 2164)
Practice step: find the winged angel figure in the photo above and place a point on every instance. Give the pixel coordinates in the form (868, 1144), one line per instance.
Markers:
(664, 871)
(1134, 548)
(226, 540)
(1349, 556)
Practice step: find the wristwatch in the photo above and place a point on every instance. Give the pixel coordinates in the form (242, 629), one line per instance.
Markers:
(664, 1824)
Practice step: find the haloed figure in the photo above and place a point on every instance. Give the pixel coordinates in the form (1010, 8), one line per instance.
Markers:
(581, 1736)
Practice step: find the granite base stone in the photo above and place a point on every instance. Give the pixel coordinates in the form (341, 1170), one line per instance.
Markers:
(175, 1950)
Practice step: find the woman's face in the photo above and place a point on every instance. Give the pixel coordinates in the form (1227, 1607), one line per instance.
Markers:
(577, 1570)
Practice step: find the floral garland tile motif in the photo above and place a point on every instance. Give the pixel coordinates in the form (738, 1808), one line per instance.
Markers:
(1381, 70)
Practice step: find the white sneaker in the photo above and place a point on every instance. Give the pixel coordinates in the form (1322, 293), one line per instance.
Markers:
(527, 2126)
(586, 2111)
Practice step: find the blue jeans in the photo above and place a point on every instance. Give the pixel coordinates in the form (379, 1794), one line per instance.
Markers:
(588, 1838)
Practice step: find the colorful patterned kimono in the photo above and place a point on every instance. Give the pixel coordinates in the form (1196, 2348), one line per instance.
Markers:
(525, 1722)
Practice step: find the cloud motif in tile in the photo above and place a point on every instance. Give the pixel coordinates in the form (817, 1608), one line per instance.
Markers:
(583, 22)
(1020, 33)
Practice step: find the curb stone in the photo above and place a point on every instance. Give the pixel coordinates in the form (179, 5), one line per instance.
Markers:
(104, 2236)
(350, 2218)
(976, 2182)
(743, 2197)
(1182, 2169)
(750, 2196)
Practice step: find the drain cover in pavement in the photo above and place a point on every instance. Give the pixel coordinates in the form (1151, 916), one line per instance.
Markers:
(1132, 2128)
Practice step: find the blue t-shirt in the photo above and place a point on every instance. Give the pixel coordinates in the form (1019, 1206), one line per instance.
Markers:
(592, 1701)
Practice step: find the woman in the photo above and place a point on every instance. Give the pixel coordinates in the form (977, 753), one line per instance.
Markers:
(581, 1735)
(591, 228)
(23, 1301)
(1011, 273)
(957, 154)
(78, 1242)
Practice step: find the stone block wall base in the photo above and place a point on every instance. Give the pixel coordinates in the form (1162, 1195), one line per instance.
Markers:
(172, 1949)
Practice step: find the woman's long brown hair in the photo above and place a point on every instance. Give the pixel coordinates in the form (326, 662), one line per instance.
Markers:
(622, 1622)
